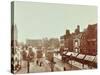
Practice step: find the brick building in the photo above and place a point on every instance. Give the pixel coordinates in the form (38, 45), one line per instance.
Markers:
(89, 40)
(76, 39)
(82, 42)
(66, 41)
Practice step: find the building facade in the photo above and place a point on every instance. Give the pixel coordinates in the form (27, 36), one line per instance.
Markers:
(66, 41)
(81, 42)
(76, 39)
(89, 40)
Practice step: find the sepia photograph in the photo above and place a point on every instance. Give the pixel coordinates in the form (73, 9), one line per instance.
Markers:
(51, 37)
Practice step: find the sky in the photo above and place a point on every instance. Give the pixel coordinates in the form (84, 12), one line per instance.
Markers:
(40, 20)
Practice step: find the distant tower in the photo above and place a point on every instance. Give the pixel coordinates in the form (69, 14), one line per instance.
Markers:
(67, 32)
(77, 30)
(14, 35)
(13, 45)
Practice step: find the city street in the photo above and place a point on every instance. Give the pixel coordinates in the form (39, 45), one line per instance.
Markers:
(45, 66)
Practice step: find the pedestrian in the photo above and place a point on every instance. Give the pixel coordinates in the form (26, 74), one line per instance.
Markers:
(40, 64)
(52, 67)
(37, 62)
(64, 68)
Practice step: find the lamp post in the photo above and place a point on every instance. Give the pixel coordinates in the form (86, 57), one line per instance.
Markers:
(52, 63)
(28, 66)
(28, 60)
(29, 57)
(50, 58)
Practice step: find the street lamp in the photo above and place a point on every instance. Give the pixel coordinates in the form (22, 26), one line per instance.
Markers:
(50, 58)
(52, 64)
(29, 57)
